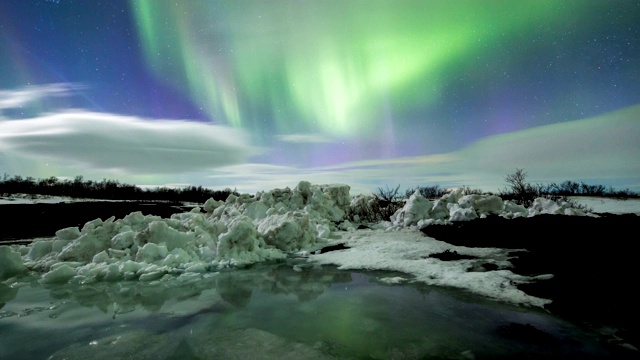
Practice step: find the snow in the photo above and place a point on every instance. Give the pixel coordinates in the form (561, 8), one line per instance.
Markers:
(408, 251)
(32, 199)
(276, 224)
(606, 205)
(45, 199)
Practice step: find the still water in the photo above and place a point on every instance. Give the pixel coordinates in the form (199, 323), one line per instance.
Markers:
(275, 311)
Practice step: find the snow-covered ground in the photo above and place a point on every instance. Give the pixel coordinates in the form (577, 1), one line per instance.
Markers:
(606, 205)
(33, 199)
(44, 199)
(408, 251)
(281, 223)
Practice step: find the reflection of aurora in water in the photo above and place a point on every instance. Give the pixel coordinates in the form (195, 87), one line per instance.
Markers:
(273, 311)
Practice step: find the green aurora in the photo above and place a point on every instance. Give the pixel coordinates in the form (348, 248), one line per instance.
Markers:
(331, 66)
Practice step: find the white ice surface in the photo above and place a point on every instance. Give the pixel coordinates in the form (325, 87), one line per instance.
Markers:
(408, 251)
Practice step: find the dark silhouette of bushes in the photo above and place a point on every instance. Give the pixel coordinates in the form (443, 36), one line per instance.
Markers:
(383, 203)
(387, 201)
(435, 191)
(519, 189)
(429, 192)
(467, 190)
(388, 195)
(522, 192)
(379, 206)
(106, 189)
(572, 188)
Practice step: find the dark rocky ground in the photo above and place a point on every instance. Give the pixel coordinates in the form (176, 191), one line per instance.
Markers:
(594, 262)
(26, 221)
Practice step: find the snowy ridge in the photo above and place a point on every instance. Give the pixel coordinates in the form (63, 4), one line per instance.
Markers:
(268, 226)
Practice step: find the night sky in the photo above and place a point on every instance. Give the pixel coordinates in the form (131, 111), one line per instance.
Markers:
(261, 94)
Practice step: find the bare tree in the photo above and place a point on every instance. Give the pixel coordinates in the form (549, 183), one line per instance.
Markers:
(387, 195)
(517, 182)
(518, 189)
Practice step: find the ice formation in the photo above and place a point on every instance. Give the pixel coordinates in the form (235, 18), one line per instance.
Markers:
(239, 231)
(456, 206)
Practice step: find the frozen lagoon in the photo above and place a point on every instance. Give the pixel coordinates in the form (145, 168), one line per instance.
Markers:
(165, 273)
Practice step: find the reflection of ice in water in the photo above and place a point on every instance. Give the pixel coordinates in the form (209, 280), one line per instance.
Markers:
(267, 311)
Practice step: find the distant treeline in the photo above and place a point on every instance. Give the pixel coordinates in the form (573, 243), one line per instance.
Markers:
(572, 188)
(564, 189)
(518, 189)
(523, 192)
(106, 189)
(384, 202)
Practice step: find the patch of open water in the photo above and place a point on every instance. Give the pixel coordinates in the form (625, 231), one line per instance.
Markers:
(271, 311)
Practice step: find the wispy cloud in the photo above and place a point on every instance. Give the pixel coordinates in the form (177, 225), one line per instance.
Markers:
(304, 138)
(24, 96)
(603, 149)
(130, 145)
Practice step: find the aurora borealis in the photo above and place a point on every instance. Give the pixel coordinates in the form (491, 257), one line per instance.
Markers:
(361, 59)
(363, 92)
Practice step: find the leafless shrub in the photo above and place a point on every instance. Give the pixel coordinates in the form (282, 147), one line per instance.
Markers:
(519, 189)
(379, 206)
(429, 192)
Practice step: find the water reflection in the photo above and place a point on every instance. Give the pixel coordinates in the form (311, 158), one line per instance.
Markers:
(234, 287)
(282, 310)
(306, 283)
(7, 293)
